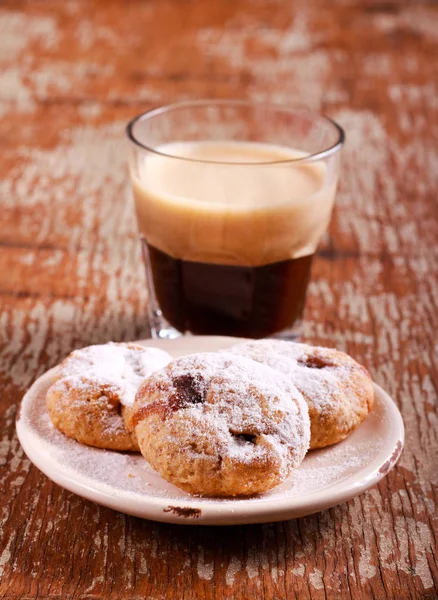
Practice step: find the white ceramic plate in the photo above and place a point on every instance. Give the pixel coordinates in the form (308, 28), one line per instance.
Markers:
(125, 482)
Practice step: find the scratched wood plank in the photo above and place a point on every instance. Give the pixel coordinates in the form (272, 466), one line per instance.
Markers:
(71, 75)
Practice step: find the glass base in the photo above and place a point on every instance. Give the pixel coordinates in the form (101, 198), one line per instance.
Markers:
(290, 335)
(160, 328)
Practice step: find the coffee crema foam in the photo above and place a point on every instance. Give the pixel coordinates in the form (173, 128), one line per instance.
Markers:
(232, 214)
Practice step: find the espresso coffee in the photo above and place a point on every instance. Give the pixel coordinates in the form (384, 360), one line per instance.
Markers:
(229, 243)
(227, 300)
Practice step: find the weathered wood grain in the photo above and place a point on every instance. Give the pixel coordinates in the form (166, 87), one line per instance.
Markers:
(71, 75)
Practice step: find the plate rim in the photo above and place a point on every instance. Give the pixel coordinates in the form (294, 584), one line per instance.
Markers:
(216, 511)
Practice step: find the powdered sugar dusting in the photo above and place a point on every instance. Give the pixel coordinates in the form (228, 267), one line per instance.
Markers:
(232, 407)
(320, 386)
(129, 477)
(120, 367)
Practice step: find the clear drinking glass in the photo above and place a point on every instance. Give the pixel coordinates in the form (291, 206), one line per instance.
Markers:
(232, 198)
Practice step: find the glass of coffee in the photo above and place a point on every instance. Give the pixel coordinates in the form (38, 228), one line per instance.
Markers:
(232, 198)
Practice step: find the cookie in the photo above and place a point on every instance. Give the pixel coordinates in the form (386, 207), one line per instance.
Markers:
(221, 425)
(338, 391)
(93, 388)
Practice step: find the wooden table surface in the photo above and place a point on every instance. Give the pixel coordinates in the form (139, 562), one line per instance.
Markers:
(71, 75)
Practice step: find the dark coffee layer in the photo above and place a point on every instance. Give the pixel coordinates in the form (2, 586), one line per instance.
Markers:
(211, 299)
